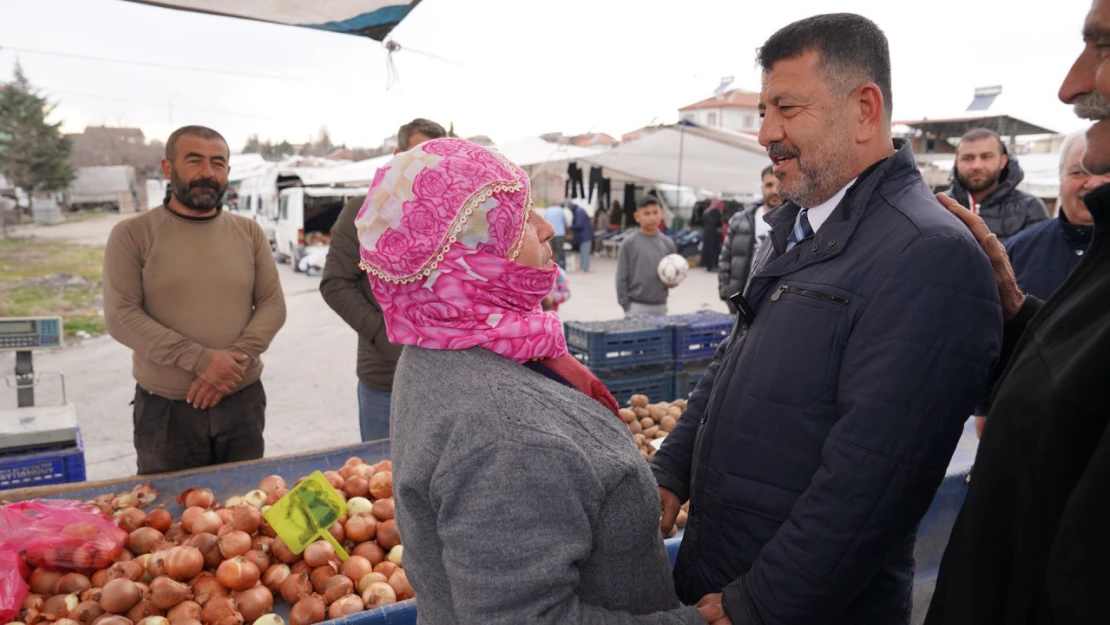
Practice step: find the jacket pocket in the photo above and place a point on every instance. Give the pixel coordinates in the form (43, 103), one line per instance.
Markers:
(800, 340)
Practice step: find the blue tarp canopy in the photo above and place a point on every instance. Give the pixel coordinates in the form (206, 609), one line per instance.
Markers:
(365, 18)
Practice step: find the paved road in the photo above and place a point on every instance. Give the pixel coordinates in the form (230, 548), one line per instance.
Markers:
(310, 367)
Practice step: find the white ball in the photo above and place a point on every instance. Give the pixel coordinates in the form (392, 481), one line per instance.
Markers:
(672, 270)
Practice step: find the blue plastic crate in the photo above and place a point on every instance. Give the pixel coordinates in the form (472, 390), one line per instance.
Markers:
(655, 381)
(620, 343)
(36, 468)
(697, 335)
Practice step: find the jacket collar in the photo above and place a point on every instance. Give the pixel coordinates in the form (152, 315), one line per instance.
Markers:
(1078, 236)
(1011, 176)
(1098, 202)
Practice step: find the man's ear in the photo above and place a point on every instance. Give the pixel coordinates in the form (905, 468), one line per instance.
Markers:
(869, 100)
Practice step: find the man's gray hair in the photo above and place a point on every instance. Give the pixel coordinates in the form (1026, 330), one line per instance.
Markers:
(1067, 145)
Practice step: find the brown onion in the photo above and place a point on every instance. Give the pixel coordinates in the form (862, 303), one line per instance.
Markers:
(99, 578)
(184, 611)
(176, 534)
(189, 516)
(319, 553)
(166, 593)
(256, 498)
(246, 519)
(86, 612)
(363, 470)
(337, 532)
(300, 567)
(358, 505)
(130, 569)
(307, 611)
(399, 581)
(270, 483)
(274, 576)
(257, 558)
(335, 479)
(385, 568)
(159, 519)
(65, 621)
(253, 602)
(221, 611)
(346, 472)
(123, 556)
(43, 581)
(282, 552)
(384, 465)
(207, 522)
(156, 564)
(184, 563)
(262, 543)
(356, 567)
(144, 540)
(234, 543)
(130, 519)
(320, 576)
(238, 573)
(199, 497)
(186, 621)
(388, 536)
(276, 496)
(71, 583)
(336, 587)
(345, 606)
(361, 527)
(226, 516)
(120, 595)
(378, 594)
(32, 601)
(209, 547)
(59, 606)
(354, 461)
(142, 610)
(383, 509)
(356, 486)
(92, 594)
(112, 619)
(206, 587)
(371, 551)
(381, 485)
(296, 587)
(370, 578)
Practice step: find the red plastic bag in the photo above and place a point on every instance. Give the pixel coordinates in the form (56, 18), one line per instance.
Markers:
(13, 588)
(60, 534)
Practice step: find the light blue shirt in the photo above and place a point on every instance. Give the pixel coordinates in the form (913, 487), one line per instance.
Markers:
(556, 216)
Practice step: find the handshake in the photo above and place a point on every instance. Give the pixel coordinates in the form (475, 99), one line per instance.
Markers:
(218, 380)
(710, 606)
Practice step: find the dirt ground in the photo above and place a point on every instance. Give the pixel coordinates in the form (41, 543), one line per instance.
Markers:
(310, 367)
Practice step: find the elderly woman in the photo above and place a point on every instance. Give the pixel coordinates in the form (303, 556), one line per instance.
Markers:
(520, 495)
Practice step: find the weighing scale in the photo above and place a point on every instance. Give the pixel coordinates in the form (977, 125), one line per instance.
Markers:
(28, 426)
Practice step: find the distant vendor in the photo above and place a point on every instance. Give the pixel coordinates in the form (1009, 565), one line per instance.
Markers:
(194, 292)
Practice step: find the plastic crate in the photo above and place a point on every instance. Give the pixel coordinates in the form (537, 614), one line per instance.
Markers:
(687, 375)
(620, 343)
(54, 465)
(697, 335)
(655, 381)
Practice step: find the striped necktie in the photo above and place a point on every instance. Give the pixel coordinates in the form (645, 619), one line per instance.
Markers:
(801, 231)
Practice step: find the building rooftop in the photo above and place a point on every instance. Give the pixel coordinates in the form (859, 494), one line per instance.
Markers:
(733, 98)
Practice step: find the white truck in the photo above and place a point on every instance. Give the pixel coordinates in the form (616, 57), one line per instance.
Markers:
(305, 216)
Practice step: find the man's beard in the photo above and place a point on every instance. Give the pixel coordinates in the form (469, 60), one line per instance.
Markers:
(820, 169)
(1092, 106)
(199, 194)
(988, 182)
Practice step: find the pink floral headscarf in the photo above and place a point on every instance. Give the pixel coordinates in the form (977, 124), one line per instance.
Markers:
(439, 233)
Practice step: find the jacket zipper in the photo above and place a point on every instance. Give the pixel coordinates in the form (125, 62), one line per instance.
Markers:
(827, 297)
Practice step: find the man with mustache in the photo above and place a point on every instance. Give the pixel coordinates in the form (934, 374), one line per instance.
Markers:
(194, 291)
(814, 444)
(985, 180)
(1031, 542)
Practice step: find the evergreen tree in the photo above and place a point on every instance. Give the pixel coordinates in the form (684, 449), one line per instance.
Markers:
(34, 155)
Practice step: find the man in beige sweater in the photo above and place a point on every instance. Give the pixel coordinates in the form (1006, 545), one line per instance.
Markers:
(194, 291)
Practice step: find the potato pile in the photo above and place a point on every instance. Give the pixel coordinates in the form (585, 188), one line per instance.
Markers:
(648, 421)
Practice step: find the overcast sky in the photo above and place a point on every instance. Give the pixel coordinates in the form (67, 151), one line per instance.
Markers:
(517, 67)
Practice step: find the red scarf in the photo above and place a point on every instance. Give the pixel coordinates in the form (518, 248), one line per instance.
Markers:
(584, 380)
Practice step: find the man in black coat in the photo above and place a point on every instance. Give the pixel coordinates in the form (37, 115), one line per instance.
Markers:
(747, 231)
(1030, 546)
(985, 180)
(818, 437)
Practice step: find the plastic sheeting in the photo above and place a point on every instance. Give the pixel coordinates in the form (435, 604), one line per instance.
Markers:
(367, 18)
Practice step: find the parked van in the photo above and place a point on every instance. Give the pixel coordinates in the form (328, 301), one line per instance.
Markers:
(305, 217)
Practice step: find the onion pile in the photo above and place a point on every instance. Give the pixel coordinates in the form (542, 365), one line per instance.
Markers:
(222, 563)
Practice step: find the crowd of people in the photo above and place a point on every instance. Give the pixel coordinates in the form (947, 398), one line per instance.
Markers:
(872, 318)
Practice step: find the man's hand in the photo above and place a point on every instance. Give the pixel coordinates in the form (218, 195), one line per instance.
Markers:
(980, 423)
(203, 395)
(712, 610)
(547, 303)
(224, 371)
(1008, 290)
(670, 505)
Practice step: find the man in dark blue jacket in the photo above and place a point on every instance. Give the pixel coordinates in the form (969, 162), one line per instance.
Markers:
(1042, 256)
(814, 444)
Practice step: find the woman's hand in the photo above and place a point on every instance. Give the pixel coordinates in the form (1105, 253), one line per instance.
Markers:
(670, 506)
(712, 610)
(1008, 290)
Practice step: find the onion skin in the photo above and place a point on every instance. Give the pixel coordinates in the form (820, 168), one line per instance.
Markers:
(345, 606)
(270, 483)
(234, 543)
(361, 527)
(359, 505)
(336, 587)
(269, 619)
(59, 606)
(184, 611)
(92, 594)
(383, 509)
(165, 593)
(257, 558)
(72, 583)
(206, 587)
(199, 497)
(237, 574)
(263, 544)
(274, 576)
(319, 553)
(142, 610)
(296, 588)
(371, 551)
(399, 581)
(283, 552)
(43, 581)
(370, 578)
(144, 540)
(246, 519)
(112, 619)
(388, 536)
(130, 519)
(154, 620)
(159, 519)
(221, 611)
(378, 594)
(120, 595)
(253, 602)
(130, 569)
(381, 485)
(307, 611)
(184, 563)
(86, 612)
(396, 555)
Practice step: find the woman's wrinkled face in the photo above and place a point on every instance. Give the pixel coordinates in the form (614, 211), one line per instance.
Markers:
(536, 248)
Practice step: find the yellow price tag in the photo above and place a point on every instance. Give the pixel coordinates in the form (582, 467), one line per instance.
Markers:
(306, 512)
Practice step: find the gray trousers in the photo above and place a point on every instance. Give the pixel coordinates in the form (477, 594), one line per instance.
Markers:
(646, 310)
